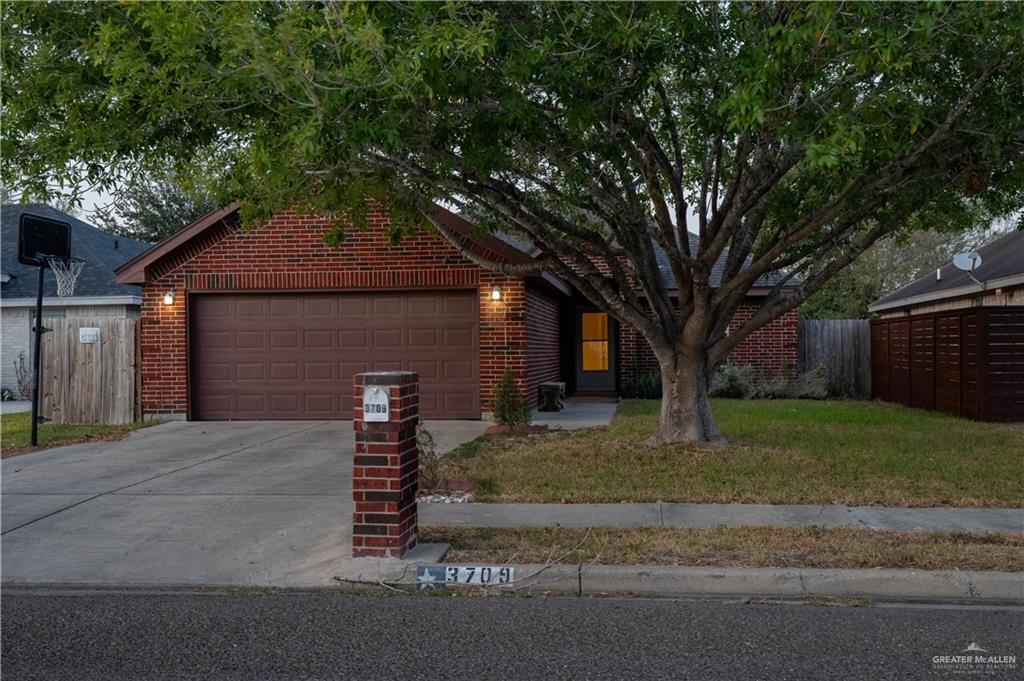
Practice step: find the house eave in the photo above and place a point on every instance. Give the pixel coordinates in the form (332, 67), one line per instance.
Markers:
(74, 301)
(958, 292)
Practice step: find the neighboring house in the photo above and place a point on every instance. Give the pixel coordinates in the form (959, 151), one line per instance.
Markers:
(954, 342)
(97, 292)
(272, 324)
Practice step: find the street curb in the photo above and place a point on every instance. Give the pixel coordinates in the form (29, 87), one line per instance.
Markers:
(657, 580)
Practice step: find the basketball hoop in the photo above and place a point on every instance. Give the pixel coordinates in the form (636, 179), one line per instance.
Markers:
(66, 271)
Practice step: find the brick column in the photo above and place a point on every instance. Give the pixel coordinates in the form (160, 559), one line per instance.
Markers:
(385, 475)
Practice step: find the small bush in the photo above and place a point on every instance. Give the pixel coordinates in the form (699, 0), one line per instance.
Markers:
(644, 385)
(747, 383)
(813, 384)
(509, 405)
(736, 382)
(430, 460)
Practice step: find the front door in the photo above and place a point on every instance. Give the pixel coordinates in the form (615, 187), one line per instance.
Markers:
(595, 352)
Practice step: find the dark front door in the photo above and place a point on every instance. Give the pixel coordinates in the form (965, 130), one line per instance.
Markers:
(595, 352)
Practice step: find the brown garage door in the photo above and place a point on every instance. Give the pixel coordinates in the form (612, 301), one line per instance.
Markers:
(293, 355)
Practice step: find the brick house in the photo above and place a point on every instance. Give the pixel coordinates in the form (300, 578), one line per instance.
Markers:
(272, 324)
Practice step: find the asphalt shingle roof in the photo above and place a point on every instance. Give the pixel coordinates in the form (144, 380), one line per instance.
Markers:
(1003, 257)
(102, 252)
(664, 267)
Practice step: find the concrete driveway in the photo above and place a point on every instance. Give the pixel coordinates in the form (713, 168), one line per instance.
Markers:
(226, 503)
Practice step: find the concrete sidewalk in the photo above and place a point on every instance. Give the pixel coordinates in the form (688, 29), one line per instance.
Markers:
(721, 515)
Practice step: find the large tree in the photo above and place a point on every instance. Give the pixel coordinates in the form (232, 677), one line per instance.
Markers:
(789, 137)
(153, 207)
(889, 265)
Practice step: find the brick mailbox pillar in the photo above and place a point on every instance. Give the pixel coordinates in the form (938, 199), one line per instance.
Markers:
(385, 475)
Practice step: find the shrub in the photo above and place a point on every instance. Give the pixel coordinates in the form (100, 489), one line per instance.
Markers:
(645, 385)
(430, 460)
(737, 382)
(509, 405)
(813, 384)
(747, 383)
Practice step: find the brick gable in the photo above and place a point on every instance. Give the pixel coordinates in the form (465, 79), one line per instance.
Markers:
(288, 254)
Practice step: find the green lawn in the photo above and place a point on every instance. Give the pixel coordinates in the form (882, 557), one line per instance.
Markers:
(782, 451)
(14, 433)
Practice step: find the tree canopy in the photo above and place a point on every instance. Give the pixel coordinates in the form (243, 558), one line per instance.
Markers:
(790, 137)
(153, 207)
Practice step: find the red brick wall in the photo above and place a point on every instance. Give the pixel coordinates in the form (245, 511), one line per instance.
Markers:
(288, 254)
(542, 337)
(772, 348)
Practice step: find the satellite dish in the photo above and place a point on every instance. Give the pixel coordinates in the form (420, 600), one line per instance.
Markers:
(968, 262)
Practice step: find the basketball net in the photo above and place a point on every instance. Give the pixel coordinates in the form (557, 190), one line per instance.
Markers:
(65, 271)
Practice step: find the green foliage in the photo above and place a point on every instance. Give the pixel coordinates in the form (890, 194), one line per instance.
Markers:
(152, 209)
(797, 133)
(509, 405)
(891, 264)
(746, 382)
(643, 385)
(734, 381)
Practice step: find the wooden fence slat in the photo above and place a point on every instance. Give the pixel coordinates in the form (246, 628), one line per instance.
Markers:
(844, 346)
(90, 382)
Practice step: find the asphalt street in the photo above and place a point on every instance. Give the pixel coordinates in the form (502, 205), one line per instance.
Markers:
(294, 635)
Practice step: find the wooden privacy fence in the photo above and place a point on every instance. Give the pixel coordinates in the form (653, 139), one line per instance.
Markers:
(90, 377)
(966, 362)
(844, 346)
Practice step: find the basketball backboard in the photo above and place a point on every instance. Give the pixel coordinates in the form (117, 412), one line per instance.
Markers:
(40, 238)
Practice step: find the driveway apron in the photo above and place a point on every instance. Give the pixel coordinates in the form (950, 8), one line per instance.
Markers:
(226, 503)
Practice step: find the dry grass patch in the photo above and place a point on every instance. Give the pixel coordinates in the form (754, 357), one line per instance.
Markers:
(782, 451)
(812, 547)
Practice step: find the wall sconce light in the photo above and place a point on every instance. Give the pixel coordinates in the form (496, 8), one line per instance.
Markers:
(496, 293)
(169, 298)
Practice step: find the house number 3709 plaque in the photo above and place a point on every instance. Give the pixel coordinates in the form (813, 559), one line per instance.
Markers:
(375, 405)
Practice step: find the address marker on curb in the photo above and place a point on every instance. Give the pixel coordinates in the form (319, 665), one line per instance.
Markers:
(434, 576)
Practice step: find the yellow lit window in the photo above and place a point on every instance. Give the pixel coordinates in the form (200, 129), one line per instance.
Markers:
(594, 340)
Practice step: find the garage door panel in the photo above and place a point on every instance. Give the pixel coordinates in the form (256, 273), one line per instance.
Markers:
(353, 338)
(422, 339)
(250, 371)
(285, 307)
(458, 338)
(386, 339)
(284, 340)
(318, 371)
(266, 356)
(318, 307)
(313, 339)
(346, 370)
(249, 307)
(388, 306)
(250, 340)
(428, 370)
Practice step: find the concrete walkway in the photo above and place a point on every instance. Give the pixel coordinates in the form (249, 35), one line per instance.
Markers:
(15, 406)
(721, 515)
(587, 412)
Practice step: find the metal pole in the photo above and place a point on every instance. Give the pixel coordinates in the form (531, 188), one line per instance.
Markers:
(35, 357)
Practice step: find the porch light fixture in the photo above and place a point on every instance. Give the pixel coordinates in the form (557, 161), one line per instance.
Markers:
(496, 293)
(169, 298)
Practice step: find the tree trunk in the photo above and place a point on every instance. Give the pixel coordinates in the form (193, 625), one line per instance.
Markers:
(686, 416)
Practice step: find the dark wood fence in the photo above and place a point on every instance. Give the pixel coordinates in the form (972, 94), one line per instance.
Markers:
(966, 362)
(844, 346)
